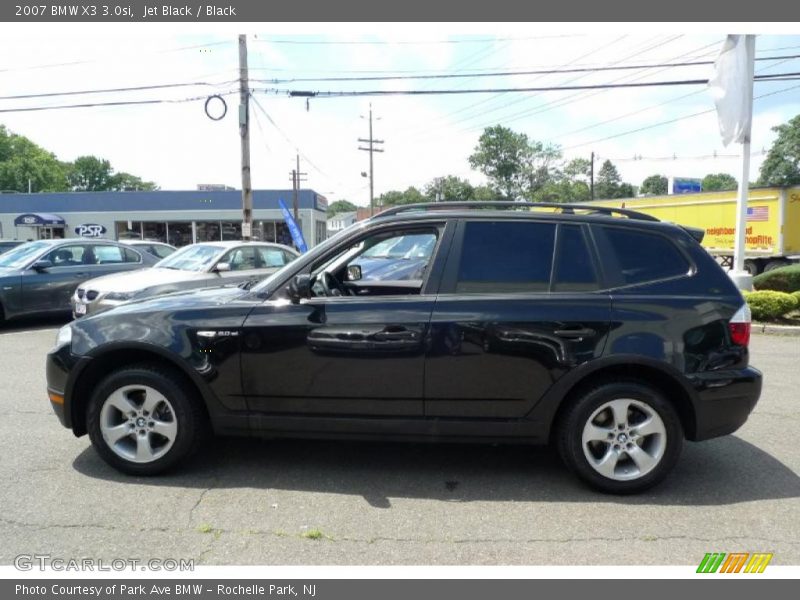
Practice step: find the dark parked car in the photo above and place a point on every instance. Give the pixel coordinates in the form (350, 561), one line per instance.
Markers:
(39, 277)
(6, 245)
(603, 331)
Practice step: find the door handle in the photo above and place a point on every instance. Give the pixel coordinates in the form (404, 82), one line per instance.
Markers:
(387, 338)
(575, 333)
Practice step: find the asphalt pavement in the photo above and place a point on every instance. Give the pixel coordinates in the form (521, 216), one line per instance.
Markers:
(249, 502)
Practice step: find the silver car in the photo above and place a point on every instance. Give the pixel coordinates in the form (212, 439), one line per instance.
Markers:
(206, 264)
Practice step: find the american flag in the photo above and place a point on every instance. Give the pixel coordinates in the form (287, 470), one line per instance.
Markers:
(758, 213)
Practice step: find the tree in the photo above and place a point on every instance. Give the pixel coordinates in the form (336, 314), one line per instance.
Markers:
(24, 165)
(392, 198)
(609, 184)
(515, 166)
(655, 185)
(340, 206)
(719, 182)
(125, 182)
(484, 193)
(782, 165)
(449, 189)
(90, 174)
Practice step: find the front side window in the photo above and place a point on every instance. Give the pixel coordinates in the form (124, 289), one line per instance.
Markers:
(506, 256)
(71, 256)
(241, 259)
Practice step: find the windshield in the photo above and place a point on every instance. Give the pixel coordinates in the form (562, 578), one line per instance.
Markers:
(195, 258)
(20, 256)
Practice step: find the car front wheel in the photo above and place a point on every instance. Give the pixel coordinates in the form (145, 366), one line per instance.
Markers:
(621, 438)
(144, 419)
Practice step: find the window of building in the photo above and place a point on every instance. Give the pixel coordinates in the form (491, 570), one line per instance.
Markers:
(506, 256)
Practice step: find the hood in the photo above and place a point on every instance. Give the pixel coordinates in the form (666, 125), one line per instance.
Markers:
(134, 281)
(182, 301)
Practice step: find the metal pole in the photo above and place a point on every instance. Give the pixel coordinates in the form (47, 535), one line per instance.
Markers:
(244, 131)
(371, 172)
(296, 185)
(591, 178)
(744, 181)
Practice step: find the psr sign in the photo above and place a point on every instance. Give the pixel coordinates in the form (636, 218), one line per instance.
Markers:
(90, 230)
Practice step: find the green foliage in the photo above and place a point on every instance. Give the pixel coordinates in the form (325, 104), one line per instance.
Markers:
(516, 166)
(392, 198)
(719, 182)
(484, 193)
(782, 165)
(609, 184)
(655, 185)
(785, 279)
(340, 206)
(22, 161)
(449, 189)
(768, 305)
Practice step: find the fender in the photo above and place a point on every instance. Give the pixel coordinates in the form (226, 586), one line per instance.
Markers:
(549, 404)
(212, 403)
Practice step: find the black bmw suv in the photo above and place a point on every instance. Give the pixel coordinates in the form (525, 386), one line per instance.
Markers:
(603, 331)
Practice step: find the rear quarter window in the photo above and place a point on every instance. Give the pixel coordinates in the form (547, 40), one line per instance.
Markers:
(633, 257)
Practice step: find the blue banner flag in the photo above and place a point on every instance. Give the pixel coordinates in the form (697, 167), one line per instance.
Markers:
(294, 229)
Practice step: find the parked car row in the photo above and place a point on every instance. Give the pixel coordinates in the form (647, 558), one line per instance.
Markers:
(84, 276)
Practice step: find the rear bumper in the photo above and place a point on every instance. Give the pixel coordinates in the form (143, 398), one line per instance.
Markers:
(724, 401)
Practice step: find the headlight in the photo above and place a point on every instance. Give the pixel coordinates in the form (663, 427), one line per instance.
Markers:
(63, 337)
(119, 296)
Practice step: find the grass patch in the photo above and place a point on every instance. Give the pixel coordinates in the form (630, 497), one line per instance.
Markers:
(314, 534)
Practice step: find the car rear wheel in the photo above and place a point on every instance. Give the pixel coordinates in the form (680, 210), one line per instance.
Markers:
(144, 419)
(621, 437)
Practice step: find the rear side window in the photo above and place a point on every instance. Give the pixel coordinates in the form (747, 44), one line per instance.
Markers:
(574, 269)
(642, 256)
(506, 256)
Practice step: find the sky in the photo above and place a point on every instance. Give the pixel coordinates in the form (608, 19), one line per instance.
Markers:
(644, 131)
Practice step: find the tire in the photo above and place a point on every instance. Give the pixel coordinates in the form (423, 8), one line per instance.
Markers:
(605, 463)
(752, 266)
(776, 264)
(163, 423)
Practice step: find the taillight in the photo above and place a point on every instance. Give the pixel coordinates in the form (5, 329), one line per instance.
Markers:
(739, 326)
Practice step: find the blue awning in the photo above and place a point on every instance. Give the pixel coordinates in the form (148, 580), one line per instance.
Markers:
(39, 220)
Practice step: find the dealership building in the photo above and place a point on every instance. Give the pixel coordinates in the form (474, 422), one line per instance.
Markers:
(175, 217)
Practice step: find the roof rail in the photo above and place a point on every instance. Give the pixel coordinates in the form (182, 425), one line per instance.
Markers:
(566, 208)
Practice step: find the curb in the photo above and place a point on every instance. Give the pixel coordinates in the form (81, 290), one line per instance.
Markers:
(769, 329)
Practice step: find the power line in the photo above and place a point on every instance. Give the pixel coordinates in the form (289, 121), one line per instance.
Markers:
(598, 86)
(101, 60)
(412, 42)
(119, 103)
(670, 121)
(138, 88)
(556, 71)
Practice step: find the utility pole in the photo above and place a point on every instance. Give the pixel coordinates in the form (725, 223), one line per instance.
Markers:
(297, 177)
(244, 132)
(591, 178)
(371, 149)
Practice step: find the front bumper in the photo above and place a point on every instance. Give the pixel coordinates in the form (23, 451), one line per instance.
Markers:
(60, 364)
(92, 307)
(724, 401)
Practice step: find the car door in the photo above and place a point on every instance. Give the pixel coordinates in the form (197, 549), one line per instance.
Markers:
(50, 289)
(510, 319)
(344, 355)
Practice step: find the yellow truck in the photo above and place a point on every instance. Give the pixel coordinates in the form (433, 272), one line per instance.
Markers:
(772, 239)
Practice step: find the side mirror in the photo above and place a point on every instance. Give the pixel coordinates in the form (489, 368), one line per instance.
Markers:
(41, 265)
(300, 287)
(222, 267)
(354, 273)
